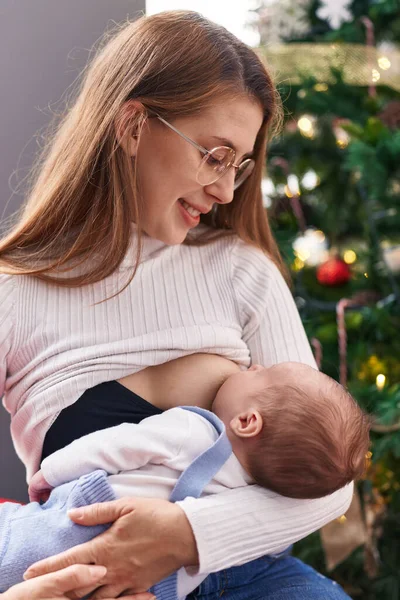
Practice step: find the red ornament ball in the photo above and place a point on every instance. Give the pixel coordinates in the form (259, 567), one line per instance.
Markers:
(333, 272)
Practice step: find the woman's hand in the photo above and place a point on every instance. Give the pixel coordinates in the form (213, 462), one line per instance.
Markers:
(68, 583)
(39, 489)
(149, 540)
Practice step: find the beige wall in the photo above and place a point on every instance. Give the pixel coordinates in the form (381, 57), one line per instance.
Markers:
(44, 44)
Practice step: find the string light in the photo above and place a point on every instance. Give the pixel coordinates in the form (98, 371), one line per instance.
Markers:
(368, 461)
(288, 192)
(384, 63)
(320, 87)
(349, 257)
(306, 126)
(311, 247)
(341, 135)
(293, 185)
(310, 180)
(380, 381)
(342, 141)
(298, 264)
(375, 76)
(267, 190)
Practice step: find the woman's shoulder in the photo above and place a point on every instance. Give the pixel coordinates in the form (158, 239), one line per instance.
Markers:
(8, 288)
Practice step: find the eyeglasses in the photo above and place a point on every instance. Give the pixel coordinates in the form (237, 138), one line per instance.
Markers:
(216, 162)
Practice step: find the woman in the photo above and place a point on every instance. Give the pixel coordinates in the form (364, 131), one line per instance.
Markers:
(144, 240)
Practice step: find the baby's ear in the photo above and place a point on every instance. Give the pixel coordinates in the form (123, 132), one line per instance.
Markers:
(247, 424)
(128, 124)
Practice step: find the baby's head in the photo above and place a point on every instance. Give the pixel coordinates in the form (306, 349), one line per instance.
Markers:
(295, 430)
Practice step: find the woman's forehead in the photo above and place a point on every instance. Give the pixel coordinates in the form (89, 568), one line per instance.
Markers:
(234, 123)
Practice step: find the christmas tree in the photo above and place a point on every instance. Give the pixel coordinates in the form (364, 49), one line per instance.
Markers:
(332, 190)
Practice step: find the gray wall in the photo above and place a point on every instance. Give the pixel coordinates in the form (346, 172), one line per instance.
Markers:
(44, 44)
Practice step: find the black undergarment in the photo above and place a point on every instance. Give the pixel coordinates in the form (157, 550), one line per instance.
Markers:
(104, 405)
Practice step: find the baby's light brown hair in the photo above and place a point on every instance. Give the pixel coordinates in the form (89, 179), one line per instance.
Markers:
(310, 444)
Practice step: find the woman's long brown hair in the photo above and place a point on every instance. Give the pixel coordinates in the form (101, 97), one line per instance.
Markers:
(76, 220)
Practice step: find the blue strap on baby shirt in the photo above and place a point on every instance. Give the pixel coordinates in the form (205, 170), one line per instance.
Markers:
(192, 482)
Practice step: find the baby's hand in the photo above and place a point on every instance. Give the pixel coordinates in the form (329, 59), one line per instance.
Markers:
(39, 490)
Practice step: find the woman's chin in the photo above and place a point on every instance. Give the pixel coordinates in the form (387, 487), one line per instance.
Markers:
(174, 237)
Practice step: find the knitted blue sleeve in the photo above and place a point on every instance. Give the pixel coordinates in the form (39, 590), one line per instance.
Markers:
(32, 532)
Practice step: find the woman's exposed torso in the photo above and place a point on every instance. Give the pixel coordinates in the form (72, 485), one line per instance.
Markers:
(192, 380)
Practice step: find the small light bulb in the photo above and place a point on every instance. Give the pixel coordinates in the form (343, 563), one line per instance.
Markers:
(293, 185)
(349, 257)
(380, 381)
(298, 264)
(384, 63)
(306, 126)
(375, 76)
(288, 192)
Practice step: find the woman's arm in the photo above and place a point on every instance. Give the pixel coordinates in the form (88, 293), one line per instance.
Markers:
(151, 538)
(253, 521)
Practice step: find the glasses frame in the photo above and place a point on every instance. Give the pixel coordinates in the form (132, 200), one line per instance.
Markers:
(207, 153)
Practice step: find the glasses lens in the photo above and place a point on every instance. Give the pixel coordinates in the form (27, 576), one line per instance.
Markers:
(244, 170)
(215, 164)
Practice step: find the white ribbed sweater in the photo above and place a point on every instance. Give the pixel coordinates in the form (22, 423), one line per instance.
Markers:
(226, 298)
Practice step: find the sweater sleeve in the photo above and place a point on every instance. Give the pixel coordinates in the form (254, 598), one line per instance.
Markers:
(240, 525)
(6, 326)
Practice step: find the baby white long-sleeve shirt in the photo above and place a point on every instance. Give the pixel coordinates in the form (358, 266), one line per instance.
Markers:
(225, 298)
(145, 459)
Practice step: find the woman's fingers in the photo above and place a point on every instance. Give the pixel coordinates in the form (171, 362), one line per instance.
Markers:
(114, 591)
(83, 554)
(97, 514)
(70, 580)
(109, 592)
(61, 585)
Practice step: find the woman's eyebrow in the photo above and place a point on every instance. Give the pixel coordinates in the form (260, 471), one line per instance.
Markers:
(226, 142)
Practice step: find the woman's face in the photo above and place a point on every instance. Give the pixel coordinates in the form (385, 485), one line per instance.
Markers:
(167, 165)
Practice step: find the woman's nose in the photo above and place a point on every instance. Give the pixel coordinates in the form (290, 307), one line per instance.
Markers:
(222, 189)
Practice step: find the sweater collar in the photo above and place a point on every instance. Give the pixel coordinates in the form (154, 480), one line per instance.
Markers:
(149, 247)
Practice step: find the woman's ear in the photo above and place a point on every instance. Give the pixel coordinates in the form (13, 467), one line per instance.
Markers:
(128, 125)
(247, 424)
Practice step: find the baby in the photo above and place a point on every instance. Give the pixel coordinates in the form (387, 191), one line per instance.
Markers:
(292, 430)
